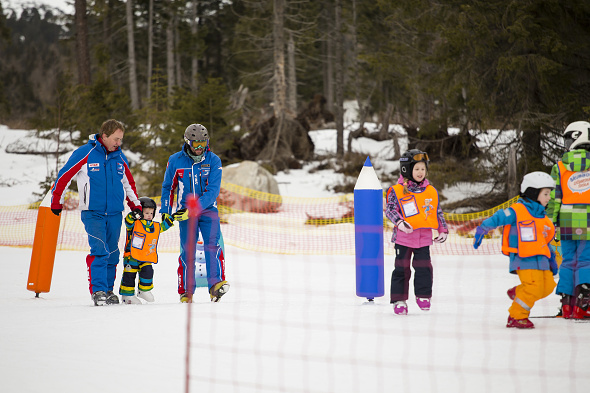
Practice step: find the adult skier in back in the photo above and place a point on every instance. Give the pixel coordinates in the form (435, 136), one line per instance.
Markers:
(196, 170)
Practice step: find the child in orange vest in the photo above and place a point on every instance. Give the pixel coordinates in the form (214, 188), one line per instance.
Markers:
(526, 236)
(412, 205)
(141, 252)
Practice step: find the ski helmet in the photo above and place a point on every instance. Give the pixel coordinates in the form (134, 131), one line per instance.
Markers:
(196, 132)
(147, 203)
(576, 135)
(533, 182)
(409, 159)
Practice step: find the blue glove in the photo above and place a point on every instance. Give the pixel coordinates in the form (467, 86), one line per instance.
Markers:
(553, 263)
(478, 238)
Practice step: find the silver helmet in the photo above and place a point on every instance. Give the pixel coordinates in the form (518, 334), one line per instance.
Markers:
(196, 132)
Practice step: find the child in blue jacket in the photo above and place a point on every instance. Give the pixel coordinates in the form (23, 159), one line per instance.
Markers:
(526, 236)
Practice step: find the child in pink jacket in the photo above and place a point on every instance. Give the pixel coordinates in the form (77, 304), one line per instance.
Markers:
(412, 205)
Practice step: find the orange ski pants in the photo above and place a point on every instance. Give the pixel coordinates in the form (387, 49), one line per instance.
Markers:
(534, 285)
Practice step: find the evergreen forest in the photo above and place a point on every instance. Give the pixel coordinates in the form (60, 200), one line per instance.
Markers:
(260, 74)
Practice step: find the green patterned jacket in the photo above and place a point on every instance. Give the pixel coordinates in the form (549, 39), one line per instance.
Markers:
(572, 222)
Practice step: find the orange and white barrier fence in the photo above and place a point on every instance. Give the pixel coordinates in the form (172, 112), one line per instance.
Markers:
(258, 221)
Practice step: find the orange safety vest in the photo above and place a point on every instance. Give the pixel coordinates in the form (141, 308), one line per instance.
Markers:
(534, 234)
(574, 185)
(419, 209)
(143, 244)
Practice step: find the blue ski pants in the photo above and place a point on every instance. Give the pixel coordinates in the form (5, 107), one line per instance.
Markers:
(208, 224)
(103, 238)
(575, 266)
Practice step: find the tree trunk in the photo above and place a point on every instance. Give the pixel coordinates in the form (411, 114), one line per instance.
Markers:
(329, 60)
(150, 64)
(107, 31)
(133, 91)
(511, 181)
(292, 85)
(170, 54)
(82, 51)
(384, 130)
(195, 53)
(339, 58)
(280, 84)
(533, 152)
(177, 52)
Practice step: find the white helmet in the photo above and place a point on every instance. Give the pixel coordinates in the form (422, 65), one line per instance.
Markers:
(577, 135)
(533, 182)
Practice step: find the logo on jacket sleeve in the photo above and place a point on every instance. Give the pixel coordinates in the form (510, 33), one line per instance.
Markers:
(120, 168)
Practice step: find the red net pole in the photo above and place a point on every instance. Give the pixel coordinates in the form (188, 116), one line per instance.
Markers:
(193, 209)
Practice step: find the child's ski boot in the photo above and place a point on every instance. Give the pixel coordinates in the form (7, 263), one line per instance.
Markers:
(423, 303)
(511, 293)
(567, 306)
(524, 323)
(147, 296)
(130, 299)
(582, 301)
(400, 307)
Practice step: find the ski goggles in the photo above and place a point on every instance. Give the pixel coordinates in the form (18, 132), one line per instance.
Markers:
(416, 158)
(197, 144)
(420, 157)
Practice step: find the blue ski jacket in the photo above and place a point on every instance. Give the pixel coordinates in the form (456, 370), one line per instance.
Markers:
(184, 177)
(104, 179)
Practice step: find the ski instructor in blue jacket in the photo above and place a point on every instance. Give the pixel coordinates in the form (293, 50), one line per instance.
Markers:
(196, 170)
(104, 182)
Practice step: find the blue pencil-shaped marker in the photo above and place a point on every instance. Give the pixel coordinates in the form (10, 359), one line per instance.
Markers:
(368, 233)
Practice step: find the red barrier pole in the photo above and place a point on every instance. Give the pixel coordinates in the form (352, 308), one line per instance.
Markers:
(193, 213)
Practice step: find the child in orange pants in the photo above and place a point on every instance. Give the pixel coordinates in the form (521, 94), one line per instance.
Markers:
(526, 237)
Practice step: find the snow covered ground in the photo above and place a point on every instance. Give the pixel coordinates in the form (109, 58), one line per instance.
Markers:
(290, 323)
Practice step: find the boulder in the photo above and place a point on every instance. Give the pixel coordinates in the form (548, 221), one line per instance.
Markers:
(251, 176)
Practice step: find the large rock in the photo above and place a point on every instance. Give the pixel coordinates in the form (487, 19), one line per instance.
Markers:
(252, 176)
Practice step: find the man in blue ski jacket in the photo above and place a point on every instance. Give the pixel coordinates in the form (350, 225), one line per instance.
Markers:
(196, 170)
(104, 182)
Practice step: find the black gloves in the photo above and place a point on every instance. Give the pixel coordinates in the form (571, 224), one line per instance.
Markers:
(137, 214)
(56, 211)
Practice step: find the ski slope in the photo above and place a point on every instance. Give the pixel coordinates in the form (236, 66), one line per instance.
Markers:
(289, 323)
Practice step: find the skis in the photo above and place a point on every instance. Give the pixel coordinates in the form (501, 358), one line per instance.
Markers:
(585, 320)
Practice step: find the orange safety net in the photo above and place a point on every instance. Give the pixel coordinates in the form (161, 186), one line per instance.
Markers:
(262, 222)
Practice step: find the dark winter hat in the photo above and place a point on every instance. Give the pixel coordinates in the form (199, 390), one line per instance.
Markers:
(409, 159)
(147, 203)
